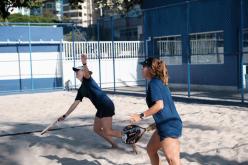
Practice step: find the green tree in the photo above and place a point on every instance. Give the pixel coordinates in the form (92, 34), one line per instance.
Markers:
(7, 5)
(32, 19)
(117, 6)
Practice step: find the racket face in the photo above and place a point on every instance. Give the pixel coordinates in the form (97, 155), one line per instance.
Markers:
(132, 133)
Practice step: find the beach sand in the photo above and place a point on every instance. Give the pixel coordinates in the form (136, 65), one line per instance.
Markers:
(212, 134)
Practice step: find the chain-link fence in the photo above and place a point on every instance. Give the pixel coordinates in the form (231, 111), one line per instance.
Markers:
(244, 48)
(30, 57)
(202, 43)
(40, 56)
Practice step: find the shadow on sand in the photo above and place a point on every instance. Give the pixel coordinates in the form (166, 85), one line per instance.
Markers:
(81, 141)
(70, 161)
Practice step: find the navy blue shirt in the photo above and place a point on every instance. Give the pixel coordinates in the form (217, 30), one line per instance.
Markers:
(168, 117)
(91, 90)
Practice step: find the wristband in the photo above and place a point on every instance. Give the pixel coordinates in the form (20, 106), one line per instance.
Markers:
(142, 115)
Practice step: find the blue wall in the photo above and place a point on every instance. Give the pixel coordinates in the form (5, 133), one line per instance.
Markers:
(158, 3)
(205, 15)
(16, 33)
(25, 84)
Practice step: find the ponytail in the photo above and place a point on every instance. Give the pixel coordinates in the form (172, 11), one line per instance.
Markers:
(160, 70)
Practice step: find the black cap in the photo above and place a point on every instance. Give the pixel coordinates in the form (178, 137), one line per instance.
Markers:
(147, 62)
(75, 69)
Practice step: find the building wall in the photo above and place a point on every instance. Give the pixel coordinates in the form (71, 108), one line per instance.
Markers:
(38, 33)
(84, 15)
(205, 16)
(16, 62)
(50, 7)
(22, 11)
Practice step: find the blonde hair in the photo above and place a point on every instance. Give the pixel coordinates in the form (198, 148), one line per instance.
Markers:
(159, 69)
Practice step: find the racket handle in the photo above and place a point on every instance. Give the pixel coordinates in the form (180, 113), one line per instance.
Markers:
(151, 127)
(135, 149)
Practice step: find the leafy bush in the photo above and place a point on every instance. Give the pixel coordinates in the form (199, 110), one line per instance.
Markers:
(32, 19)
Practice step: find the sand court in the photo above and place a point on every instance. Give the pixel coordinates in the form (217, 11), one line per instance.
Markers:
(212, 134)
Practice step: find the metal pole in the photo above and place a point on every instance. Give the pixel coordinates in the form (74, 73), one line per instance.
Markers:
(147, 55)
(145, 42)
(241, 50)
(30, 56)
(61, 62)
(188, 48)
(113, 51)
(98, 52)
(19, 65)
(73, 54)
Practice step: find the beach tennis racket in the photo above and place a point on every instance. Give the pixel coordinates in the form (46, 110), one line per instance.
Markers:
(131, 134)
(49, 127)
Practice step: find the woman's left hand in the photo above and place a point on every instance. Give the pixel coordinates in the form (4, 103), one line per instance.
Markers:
(135, 118)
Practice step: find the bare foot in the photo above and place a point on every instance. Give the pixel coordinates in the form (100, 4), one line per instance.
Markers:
(114, 146)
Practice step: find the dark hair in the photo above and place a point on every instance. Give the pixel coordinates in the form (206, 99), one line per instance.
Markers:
(160, 70)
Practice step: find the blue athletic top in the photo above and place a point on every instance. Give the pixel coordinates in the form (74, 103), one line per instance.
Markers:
(91, 90)
(167, 120)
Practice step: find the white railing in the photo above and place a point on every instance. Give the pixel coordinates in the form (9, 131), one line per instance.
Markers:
(104, 49)
(170, 48)
(207, 51)
(170, 51)
(204, 46)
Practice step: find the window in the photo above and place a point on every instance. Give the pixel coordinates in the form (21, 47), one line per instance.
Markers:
(245, 46)
(66, 8)
(50, 5)
(169, 48)
(207, 48)
(130, 34)
(75, 14)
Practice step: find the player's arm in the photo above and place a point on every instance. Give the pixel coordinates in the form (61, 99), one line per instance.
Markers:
(70, 110)
(86, 69)
(158, 106)
(156, 97)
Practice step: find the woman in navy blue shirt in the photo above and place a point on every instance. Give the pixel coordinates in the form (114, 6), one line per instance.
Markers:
(163, 110)
(103, 104)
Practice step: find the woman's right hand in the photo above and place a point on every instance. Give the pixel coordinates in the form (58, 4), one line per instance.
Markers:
(62, 118)
(135, 118)
(84, 59)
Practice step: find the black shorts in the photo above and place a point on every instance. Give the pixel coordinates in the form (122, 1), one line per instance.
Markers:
(106, 110)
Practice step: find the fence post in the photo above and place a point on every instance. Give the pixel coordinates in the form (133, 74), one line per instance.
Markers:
(73, 54)
(113, 50)
(61, 60)
(188, 48)
(30, 56)
(145, 50)
(19, 65)
(241, 39)
(98, 52)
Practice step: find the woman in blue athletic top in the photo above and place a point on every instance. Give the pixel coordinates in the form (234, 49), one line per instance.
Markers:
(163, 110)
(103, 104)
